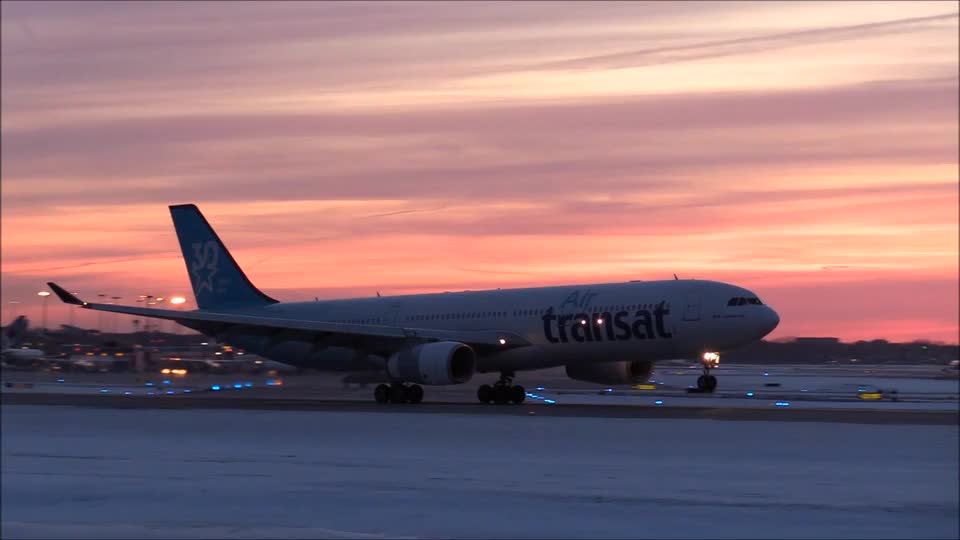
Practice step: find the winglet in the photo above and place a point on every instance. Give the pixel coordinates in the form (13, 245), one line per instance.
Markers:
(65, 296)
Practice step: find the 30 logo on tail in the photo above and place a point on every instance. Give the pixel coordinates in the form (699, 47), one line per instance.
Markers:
(205, 264)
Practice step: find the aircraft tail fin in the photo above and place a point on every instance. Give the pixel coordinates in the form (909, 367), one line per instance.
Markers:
(217, 280)
(15, 332)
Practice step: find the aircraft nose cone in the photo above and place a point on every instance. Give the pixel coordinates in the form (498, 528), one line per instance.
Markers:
(770, 320)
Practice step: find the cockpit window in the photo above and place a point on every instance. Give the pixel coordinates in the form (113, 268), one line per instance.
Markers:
(741, 301)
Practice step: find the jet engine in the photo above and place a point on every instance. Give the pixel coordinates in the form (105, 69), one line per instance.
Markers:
(439, 363)
(625, 372)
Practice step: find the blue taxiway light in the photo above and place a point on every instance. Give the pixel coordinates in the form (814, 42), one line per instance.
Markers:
(540, 388)
(549, 401)
(659, 402)
(166, 381)
(237, 385)
(782, 404)
(60, 380)
(248, 384)
(215, 387)
(187, 391)
(170, 392)
(609, 389)
(148, 384)
(151, 393)
(128, 393)
(749, 394)
(104, 391)
(765, 374)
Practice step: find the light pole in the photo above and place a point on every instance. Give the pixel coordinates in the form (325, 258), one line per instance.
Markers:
(114, 325)
(148, 300)
(73, 310)
(100, 315)
(156, 301)
(13, 310)
(44, 295)
(178, 301)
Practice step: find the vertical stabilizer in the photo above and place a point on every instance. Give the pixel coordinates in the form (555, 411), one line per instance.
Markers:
(217, 280)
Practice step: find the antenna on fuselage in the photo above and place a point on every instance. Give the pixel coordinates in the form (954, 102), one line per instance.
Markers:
(675, 278)
(378, 294)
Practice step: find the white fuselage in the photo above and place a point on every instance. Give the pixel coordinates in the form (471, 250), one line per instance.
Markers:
(652, 320)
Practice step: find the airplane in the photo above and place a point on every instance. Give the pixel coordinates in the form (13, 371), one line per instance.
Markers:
(12, 339)
(609, 334)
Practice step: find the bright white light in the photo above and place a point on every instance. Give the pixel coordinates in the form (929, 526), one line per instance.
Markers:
(177, 300)
(710, 356)
(43, 293)
(503, 341)
(599, 321)
(583, 322)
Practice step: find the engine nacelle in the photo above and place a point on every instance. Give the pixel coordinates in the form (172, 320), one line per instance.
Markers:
(625, 372)
(443, 362)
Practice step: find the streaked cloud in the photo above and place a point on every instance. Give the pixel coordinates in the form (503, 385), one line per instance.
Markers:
(745, 45)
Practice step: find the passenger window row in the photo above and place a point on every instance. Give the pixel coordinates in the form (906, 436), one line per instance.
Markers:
(373, 320)
(457, 316)
(499, 314)
(592, 309)
(741, 301)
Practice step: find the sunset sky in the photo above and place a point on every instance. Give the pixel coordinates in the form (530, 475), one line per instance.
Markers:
(805, 150)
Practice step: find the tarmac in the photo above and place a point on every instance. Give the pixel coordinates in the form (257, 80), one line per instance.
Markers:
(846, 394)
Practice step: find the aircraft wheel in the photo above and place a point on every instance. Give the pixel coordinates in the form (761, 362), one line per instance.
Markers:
(398, 394)
(414, 393)
(382, 393)
(485, 393)
(706, 383)
(517, 394)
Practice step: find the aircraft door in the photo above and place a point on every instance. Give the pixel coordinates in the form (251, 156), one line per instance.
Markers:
(691, 309)
(391, 315)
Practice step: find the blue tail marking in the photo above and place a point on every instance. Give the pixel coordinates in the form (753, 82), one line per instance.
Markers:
(217, 280)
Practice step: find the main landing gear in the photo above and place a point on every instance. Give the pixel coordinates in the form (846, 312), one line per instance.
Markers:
(398, 393)
(707, 382)
(502, 392)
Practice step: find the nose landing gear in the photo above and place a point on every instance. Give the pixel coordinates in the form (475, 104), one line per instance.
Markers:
(502, 392)
(707, 382)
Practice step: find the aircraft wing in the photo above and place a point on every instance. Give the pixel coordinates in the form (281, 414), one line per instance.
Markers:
(317, 331)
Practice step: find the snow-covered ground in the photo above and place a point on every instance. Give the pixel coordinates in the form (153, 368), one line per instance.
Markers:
(101, 473)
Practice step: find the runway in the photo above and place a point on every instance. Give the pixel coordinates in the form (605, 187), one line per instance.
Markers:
(94, 472)
(874, 395)
(718, 412)
(785, 452)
